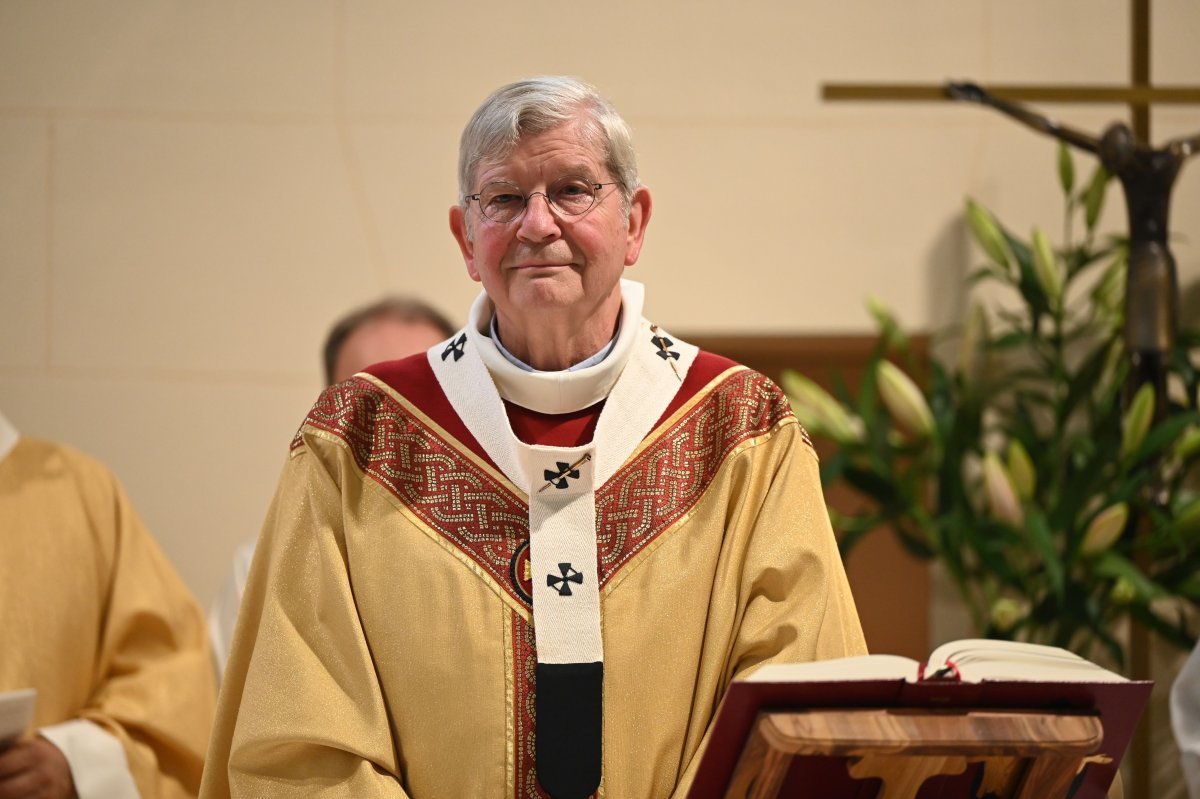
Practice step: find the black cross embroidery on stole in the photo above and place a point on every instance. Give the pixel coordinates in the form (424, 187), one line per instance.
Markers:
(558, 479)
(664, 345)
(665, 352)
(455, 348)
(562, 583)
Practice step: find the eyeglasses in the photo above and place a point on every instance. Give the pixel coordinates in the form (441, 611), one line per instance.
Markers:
(503, 202)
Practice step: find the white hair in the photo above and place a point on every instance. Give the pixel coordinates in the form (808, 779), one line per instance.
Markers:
(537, 105)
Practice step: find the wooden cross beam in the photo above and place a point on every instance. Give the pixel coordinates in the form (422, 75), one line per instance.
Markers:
(1139, 95)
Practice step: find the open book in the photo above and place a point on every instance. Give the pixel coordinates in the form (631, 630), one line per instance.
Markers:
(968, 660)
(960, 677)
(16, 714)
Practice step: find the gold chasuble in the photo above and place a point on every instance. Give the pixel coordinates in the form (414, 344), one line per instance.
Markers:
(97, 621)
(388, 643)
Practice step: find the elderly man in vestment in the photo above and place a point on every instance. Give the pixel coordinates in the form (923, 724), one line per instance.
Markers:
(529, 561)
(95, 619)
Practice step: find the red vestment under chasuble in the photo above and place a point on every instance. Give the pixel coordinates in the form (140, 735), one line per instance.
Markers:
(386, 643)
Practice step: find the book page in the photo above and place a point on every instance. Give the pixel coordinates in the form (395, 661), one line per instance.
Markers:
(864, 667)
(16, 714)
(982, 659)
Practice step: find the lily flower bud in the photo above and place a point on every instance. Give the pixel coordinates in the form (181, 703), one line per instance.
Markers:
(819, 412)
(1066, 168)
(975, 333)
(1187, 520)
(1137, 420)
(1002, 499)
(1045, 266)
(1104, 529)
(1113, 359)
(1123, 591)
(987, 233)
(1020, 468)
(889, 330)
(1093, 196)
(1005, 613)
(904, 401)
(1189, 444)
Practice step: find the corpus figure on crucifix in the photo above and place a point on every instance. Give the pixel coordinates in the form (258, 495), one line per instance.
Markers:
(1147, 175)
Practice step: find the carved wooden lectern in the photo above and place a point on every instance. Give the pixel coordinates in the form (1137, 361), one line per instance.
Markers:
(1014, 754)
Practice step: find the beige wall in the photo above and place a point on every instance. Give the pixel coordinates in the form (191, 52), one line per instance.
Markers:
(191, 192)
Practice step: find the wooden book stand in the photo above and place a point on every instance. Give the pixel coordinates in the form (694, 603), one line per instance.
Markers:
(1023, 755)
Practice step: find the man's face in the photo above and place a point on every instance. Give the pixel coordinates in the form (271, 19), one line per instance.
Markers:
(543, 262)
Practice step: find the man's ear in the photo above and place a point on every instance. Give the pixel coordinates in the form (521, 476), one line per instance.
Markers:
(460, 227)
(640, 206)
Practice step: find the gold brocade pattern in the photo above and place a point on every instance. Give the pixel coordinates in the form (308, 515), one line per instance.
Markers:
(452, 495)
(489, 523)
(661, 484)
(447, 492)
(524, 713)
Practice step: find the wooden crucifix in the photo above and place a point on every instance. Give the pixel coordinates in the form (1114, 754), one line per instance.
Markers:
(1147, 176)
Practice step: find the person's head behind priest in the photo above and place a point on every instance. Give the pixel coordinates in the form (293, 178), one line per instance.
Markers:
(390, 328)
(387, 329)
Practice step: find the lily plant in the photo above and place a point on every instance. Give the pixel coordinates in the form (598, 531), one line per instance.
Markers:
(1021, 463)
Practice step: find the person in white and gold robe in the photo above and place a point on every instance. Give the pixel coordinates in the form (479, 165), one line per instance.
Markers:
(530, 561)
(95, 619)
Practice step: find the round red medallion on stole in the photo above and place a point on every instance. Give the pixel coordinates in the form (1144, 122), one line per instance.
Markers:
(520, 573)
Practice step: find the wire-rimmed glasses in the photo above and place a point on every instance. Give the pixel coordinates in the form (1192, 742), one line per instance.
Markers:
(503, 202)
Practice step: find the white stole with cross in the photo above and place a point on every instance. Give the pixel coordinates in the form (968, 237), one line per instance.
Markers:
(639, 378)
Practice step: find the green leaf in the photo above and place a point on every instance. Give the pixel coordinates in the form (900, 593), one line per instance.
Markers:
(1109, 291)
(873, 486)
(1028, 284)
(985, 273)
(850, 534)
(917, 547)
(1066, 169)
(1083, 384)
(995, 543)
(1190, 589)
(1099, 626)
(1093, 196)
(1164, 433)
(1043, 540)
(1016, 338)
(832, 467)
(1114, 565)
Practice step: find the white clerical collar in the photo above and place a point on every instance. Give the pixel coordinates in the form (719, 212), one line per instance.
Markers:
(565, 391)
(8, 437)
(517, 362)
